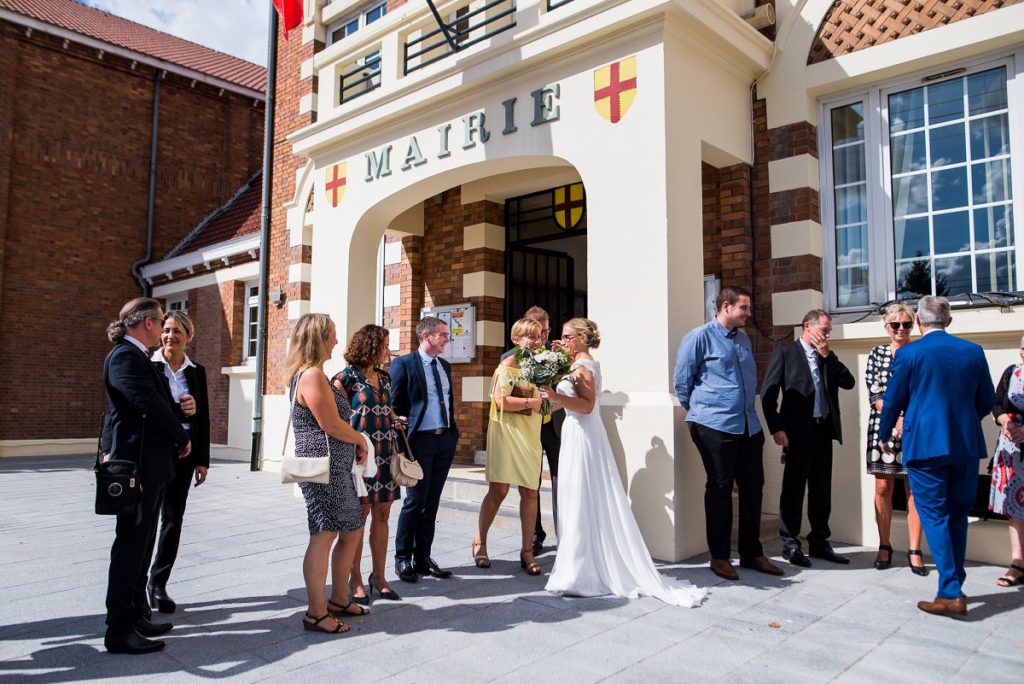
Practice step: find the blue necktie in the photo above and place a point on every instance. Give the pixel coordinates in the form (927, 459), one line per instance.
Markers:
(440, 392)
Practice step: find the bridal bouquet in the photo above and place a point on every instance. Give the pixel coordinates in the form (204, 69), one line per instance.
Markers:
(544, 367)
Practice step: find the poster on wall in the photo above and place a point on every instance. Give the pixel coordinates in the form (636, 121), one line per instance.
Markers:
(461, 321)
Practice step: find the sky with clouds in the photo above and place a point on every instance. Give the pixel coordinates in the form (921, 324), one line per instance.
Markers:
(237, 27)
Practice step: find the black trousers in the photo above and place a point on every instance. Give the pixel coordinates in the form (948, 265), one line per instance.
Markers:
(129, 561)
(416, 523)
(172, 514)
(731, 458)
(551, 442)
(808, 467)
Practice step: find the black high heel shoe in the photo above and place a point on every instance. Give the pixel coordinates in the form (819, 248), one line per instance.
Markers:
(887, 563)
(919, 571)
(386, 594)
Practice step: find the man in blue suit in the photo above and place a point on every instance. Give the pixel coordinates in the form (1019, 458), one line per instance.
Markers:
(943, 387)
(421, 391)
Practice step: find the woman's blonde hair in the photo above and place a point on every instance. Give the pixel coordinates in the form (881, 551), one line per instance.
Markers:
(526, 326)
(182, 319)
(895, 311)
(587, 328)
(308, 345)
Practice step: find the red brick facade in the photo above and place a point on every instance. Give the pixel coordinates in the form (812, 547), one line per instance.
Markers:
(75, 129)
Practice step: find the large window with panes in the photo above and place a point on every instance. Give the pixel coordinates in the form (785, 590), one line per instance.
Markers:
(917, 193)
(352, 23)
(250, 306)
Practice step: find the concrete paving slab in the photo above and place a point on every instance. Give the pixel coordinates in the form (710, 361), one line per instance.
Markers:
(239, 585)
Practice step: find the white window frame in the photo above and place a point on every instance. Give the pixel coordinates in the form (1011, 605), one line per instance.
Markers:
(359, 16)
(178, 303)
(881, 247)
(249, 303)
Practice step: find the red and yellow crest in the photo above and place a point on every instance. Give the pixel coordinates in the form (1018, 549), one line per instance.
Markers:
(335, 182)
(615, 89)
(569, 205)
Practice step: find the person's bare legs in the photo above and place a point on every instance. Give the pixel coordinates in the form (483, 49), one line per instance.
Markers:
(379, 543)
(314, 573)
(496, 493)
(341, 570)
(913, 526)
(528, 503)
(883, 513)
(356, 587)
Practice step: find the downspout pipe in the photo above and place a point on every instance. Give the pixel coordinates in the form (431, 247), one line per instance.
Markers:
(158, 76)
(255, 462)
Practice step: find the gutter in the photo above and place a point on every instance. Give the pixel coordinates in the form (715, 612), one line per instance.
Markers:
(158, 76)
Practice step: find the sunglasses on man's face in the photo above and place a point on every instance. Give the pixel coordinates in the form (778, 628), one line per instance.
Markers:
(907, 325)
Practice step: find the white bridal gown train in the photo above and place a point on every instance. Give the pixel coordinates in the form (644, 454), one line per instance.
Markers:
(600, 550)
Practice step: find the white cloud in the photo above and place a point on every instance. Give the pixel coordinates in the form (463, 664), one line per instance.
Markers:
(237, 27)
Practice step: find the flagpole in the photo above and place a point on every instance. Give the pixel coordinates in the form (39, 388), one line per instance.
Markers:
(255, 462)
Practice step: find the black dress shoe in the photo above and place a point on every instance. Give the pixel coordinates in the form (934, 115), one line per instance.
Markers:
(538, 541)
(796, 557)
(406, 571)
(132, 644)
(429, 567)
(826, 553)
(151, 629)
(160, 600)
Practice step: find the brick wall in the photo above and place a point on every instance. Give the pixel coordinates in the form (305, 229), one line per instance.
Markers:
(74, 164)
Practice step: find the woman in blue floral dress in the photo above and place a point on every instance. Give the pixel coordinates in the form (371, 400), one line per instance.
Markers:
(368, 388)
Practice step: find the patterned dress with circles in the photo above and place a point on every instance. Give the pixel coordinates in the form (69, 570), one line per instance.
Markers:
(877, 376)
(371, 413)
(331, 507)
(1006, 495)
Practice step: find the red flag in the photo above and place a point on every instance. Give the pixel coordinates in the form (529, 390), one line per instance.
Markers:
(291, 14)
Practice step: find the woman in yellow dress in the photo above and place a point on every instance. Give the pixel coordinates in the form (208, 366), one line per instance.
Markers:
(513, 448)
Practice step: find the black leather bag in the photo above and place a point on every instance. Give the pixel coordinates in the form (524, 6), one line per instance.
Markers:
(118, 487)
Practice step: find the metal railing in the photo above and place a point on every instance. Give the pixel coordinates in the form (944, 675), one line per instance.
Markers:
(466, 30)
(555, 4)
(361, 80)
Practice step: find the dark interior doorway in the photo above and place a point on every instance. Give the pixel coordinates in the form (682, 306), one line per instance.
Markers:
(545, 254)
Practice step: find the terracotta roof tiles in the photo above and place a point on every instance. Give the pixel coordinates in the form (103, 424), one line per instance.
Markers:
(238, 217)
(106, 27)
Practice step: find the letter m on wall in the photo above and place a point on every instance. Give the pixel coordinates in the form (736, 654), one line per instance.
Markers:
(378, 166)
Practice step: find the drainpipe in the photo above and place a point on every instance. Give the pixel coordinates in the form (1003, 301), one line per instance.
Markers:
(137, 266)
(268, 168)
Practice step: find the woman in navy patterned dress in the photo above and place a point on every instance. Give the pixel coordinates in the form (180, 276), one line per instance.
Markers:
(368, 389)
(320, 421)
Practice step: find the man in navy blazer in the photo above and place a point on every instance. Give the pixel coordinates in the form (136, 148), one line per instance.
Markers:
(145, 430)
(942, 385)
(422, 392)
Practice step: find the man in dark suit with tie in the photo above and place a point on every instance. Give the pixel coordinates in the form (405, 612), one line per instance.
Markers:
(943, 387)
(422, 392)
(144, 429)
(808, 375)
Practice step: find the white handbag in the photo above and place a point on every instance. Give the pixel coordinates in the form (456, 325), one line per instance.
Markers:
(309, 468)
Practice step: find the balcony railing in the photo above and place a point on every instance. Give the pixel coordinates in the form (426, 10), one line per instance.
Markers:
(468, 27)
(555, 4)
(361, 79)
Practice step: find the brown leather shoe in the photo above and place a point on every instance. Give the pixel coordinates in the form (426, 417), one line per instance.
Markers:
(945, 606)
(762, 564)
(724, 569)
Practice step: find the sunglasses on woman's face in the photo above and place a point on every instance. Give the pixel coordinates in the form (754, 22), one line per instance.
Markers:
(907, 325)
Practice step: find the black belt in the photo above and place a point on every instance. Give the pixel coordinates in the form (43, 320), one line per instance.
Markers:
(435, 431)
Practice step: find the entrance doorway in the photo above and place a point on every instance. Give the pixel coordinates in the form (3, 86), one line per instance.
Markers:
(546, 254)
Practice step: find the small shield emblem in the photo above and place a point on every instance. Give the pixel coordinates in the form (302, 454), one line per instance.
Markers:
(569, 205)
(615, 89)
(336, 181)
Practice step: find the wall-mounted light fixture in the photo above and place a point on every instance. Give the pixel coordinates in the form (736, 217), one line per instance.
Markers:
(277, 297)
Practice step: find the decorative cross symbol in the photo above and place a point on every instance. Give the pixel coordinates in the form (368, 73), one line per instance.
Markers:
(614, 88)
(334, 185)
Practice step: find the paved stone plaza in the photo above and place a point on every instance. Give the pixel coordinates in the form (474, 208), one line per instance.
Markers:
(239, 586)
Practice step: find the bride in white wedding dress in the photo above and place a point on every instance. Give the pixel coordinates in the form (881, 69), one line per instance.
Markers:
(600, 550)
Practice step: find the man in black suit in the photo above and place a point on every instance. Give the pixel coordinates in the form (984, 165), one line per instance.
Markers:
(422, 392)
(144, 429)
(550, 433)
(808, 375)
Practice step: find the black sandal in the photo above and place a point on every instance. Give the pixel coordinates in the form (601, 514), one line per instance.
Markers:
(887, 563)
(1006, 581)
(386, 594)
(337, 610)
(919, 571)
(339, 627)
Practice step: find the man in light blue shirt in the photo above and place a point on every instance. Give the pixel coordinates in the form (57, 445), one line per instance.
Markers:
(716, 382)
